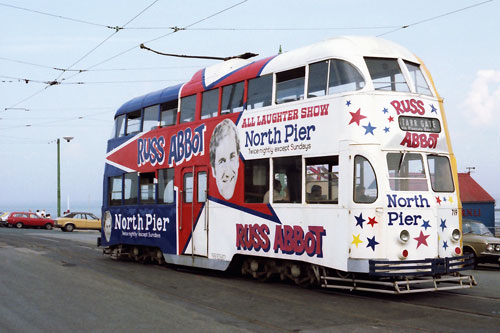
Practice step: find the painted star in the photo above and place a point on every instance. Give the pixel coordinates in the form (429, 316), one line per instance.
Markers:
(433, 109)
(443, 224)
(356, 241)
(356, 117)
(421, 239)
(372, 242)
(360, 220)
(348, 103)
(444, 199)
(372, 221)
(386, 129)
(385, 110)
(445, 245)
(450, 199)
(438, 200)
(426, 225)
(369, 129)
(391, 119)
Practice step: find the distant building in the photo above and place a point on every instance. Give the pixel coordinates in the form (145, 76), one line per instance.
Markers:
(477, 204)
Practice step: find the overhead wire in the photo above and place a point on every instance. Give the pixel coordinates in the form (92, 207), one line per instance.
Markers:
(94, 70)
(54, 15)
(83, 57)
(110, 36)
(130, 49)
(434, 17)
(265, 29)
(59, 120)
(187, 27)
(163, 36)
(64, 82)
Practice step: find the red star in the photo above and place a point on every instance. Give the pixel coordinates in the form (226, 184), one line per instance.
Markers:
(438, 200)
(356, 117)
(372, 221)
(391, 119)
(422, 239)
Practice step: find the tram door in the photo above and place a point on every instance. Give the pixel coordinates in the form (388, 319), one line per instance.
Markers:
(194, 214)
(366, 212)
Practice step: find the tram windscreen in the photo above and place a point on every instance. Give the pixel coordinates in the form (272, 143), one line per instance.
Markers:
(441, 176)
(406, 172)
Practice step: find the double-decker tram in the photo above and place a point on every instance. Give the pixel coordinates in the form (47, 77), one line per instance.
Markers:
(330, 164)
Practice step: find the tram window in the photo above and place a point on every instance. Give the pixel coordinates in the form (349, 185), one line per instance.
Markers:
(318, 76)
(130, 188)
(133, 122)
(188, 108)
(421, 86)
(365, 181)
(260, 91)
(188, 187)
(202, 186)
(290, 85)
(210, 104)
(256, 180)
(287, 179)
(119, 129)
(440, 172)
(406, 172)
(322, 179)
(150, 120)
(168, 114)
(344, 77)
(148, 188)
(386, 74)
(115, 185)
(232, 98)
(166, 186)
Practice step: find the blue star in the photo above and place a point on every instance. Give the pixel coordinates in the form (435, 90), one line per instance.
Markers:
(386, 129)
(360, 220)
(433, 109)
(369, 129)
(348, 103)
(372, 242)
(444, 198)
(385, 110)
(445, 245)
(443, 224)
(426, 224)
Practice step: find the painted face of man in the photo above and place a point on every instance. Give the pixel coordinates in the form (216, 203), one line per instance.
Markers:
(226, 166)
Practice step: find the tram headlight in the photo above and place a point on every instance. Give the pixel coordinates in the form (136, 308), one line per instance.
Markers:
(404, 236)
(497, 248)
(455, 235)
(490, 247)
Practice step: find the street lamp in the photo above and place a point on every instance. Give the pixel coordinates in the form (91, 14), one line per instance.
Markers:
(68, 139)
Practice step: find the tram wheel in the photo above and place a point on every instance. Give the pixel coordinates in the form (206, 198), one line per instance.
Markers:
(259, 269)
(342, 274)
(302, 274)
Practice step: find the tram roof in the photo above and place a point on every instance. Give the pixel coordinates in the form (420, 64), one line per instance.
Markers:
(231, 71)
(155, 97)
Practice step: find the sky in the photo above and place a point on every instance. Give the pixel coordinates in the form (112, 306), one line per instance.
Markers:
(64, 70)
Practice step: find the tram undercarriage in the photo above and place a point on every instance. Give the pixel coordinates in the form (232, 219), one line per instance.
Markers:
(410, 279)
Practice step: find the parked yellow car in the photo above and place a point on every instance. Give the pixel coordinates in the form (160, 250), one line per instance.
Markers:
(78, 220)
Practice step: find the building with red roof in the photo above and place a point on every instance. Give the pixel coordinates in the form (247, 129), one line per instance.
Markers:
(477, 204)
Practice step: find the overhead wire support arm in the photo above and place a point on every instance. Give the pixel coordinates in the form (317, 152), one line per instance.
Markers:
(246, 55)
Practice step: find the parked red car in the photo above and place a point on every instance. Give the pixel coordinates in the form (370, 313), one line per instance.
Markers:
(21, 219)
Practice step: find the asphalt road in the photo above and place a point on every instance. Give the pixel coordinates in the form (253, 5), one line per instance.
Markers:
(52, 281)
